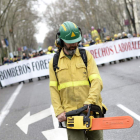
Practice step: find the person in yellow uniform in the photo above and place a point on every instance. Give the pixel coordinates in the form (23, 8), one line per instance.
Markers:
(98, 41)
(69, 80)
(115, 37)
(94, 34)
(50, 50)
(108, 38)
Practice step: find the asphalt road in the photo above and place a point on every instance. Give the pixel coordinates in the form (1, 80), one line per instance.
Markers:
(121, 86)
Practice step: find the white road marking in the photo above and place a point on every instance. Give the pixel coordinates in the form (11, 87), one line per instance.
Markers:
(56, 133)
(55, 120)
(129, 112)
(24, 123)
(6, 109)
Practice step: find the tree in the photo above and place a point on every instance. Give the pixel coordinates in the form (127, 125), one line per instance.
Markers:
(131, 10)
(110, 14)
(17, 23)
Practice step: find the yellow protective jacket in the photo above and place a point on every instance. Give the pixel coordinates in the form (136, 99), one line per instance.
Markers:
(50, 52)
(95, 34)
(86, 45)
(72, 90)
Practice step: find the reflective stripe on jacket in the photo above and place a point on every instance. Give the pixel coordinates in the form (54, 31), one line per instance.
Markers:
(72, 90)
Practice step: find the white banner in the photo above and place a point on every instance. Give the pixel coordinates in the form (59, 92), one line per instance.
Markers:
(24, 70)
(115, 50)
(37, 67)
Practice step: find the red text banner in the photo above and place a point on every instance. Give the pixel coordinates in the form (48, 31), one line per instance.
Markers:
(115, 50)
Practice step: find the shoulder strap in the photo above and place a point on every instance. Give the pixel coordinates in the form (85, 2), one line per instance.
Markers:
(56, 58)
(83, 55)
(55, 61)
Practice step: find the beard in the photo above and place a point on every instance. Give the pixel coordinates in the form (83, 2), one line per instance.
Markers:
(71, 51)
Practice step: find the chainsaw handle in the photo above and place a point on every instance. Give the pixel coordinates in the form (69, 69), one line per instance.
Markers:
(76, 112)
(91, 107)
(96, 108)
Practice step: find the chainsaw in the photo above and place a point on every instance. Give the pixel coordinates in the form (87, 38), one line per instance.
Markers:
(78, 119)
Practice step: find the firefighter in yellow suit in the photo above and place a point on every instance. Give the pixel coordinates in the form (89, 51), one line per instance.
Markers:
(50, 50)
(69, 86)
(94, 34)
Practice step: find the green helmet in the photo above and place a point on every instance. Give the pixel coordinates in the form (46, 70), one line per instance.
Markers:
(69, 32)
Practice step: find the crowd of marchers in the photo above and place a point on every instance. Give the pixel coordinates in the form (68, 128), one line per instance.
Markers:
(25, 56)
(93, 38)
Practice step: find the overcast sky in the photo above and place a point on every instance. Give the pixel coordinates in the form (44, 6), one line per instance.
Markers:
(42, 29)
